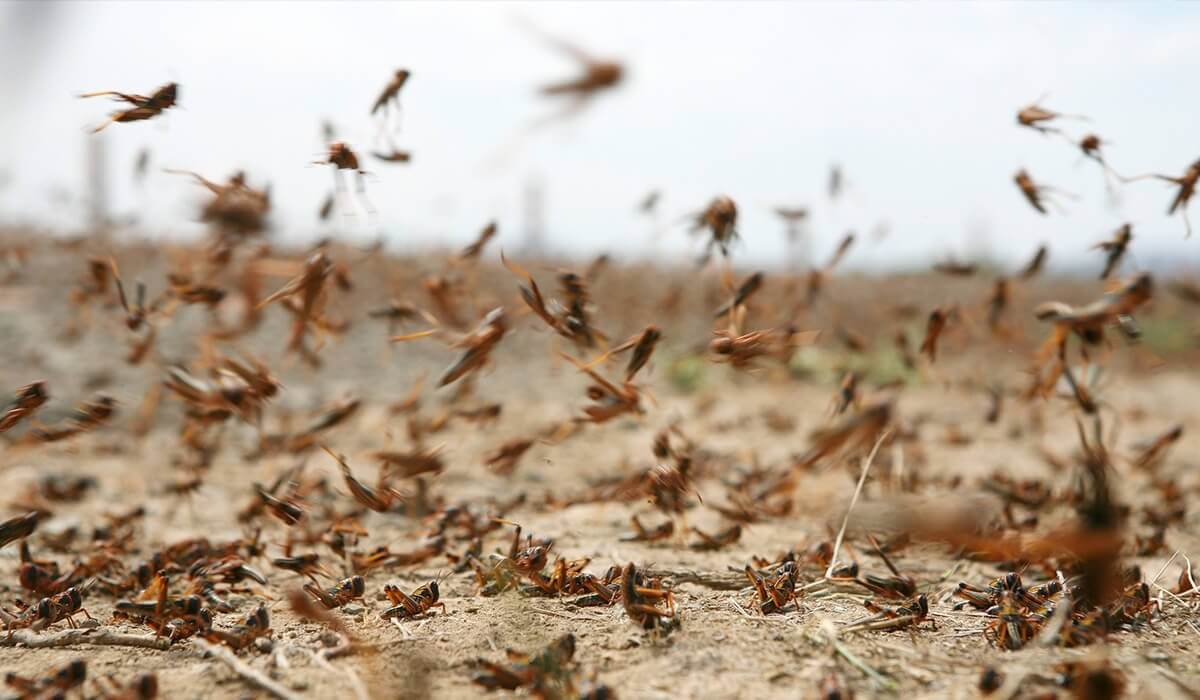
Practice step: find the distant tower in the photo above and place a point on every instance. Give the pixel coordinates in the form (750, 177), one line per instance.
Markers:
(97, 181)
(533, 211)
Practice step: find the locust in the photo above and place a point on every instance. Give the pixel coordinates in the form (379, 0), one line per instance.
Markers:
(598, 76)
(422, 600)
(570, 320)
(719, 218)
(343, 158)
(472, 251)
(27, 400)
(390, 95)
(18, 527)
(143, 107)
(1187, 188)
(1035, 117)
(933, 330)
(818, 276)
(1034, 193)
(1114, 249)
(1035, 264)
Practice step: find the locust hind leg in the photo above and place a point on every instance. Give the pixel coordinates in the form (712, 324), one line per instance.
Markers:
(341, 198)
(360, 189)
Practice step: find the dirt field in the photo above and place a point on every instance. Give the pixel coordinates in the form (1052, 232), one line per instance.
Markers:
(940, 448)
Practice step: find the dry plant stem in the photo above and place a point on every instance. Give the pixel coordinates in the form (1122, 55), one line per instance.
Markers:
(245, 672)
(878, 678)
(862, 479)
(1163, 568)
(68, 638)
(322, 660)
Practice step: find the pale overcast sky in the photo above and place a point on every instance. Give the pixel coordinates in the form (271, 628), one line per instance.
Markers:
(915, 101)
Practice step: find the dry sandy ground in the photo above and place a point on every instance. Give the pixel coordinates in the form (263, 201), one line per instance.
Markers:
(720, 650)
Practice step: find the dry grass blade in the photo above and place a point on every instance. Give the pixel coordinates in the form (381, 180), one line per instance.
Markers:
(837, 545)
(251, 676)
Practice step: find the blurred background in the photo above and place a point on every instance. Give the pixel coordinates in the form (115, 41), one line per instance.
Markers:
(915, 104)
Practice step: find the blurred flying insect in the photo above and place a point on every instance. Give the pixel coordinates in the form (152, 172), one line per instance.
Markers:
(933, 330)
(608, 399)
(741, 350)
(86, 417)
(235, 206)
(472, 251)
(1090, 146)
(1089, 321)
(744, 291)
(142, 687)
(57, 684)
(503, 460)
(719, 540)
(326, 207)
(1187, 188)
(136, 314)
(1151, 452)
(390, 95)
(143, 107)
(308, 565)
(648, 204)
(141, 166)
(379, 499)
(342, 157)
(1034, 266)
(18, 527)
(954, 268)
(853, 432)
(306, 293)
(547, 672)
(572, 320)
(817, 277)
(478, 346)
(1035, 115)
(1115, 249)
(836, 182)
(641, 533)
(997, 302)
(720, 219)
(847, 395)
(394, 156)
(598, 76)
(26, 402)
(1034, 193)
(642, 344)
(904, 348)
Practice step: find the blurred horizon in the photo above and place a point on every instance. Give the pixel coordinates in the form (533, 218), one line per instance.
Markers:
(915, 103)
